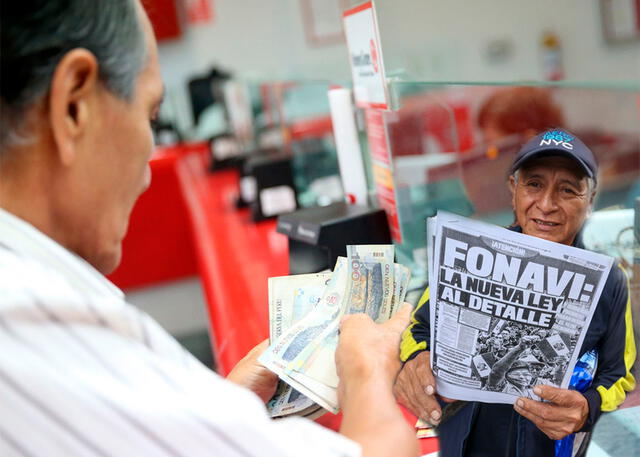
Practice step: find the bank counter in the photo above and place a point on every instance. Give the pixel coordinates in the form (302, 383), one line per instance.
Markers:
(187, 224)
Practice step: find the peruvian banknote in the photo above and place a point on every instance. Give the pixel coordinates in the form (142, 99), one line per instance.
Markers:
(369, 289)
(371, 279)
(290, 299)
(300, 334)
(303, 353)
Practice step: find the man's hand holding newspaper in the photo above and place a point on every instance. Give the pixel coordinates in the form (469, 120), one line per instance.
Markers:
(416, 389)
(563, 412)
(508, 314)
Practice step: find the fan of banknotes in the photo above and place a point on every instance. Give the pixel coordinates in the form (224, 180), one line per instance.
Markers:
(304, 317)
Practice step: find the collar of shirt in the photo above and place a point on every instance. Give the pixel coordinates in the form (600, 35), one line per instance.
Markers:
(25, 240)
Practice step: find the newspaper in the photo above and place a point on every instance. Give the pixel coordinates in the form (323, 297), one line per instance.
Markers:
(508, 311)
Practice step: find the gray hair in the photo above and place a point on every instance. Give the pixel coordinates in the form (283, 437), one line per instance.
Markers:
(591, 183)
(35, 36)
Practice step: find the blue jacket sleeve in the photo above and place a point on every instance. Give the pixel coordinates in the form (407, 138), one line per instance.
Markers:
(616, 348)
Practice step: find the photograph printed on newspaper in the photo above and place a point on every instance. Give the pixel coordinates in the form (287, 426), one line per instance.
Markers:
(508, 311)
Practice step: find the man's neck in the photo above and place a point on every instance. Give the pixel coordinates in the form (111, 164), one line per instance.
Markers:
(28, 192)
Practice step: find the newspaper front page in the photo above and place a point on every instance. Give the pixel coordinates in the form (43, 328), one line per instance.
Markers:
(508, 311)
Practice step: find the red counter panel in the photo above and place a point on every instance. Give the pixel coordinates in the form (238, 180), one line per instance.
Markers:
(235, 258)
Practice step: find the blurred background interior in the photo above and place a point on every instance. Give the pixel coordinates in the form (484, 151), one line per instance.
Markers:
(245, 136)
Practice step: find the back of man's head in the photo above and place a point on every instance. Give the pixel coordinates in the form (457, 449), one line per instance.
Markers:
(80, 85)
(36, 34)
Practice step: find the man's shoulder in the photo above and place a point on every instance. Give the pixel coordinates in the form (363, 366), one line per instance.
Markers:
(32, 293)
(15, 269)
(23, 276)
(617, 279)
(615, 292)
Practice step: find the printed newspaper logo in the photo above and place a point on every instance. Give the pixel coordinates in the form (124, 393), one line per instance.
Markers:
(506, 286)
(507, 248)
(557, 138)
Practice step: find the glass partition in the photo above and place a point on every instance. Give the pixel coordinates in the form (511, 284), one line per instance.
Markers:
(452, 145)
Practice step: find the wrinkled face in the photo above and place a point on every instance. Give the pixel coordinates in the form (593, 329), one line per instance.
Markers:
(117, 169)
(551, 198)
(521, 377)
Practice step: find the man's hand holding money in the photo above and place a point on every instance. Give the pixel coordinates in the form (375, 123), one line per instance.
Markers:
(366, 349)
(254, 376)
(367, 361)
(415, 388)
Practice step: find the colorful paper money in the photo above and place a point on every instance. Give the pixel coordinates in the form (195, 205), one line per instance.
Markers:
(290, 299)
(305, 313)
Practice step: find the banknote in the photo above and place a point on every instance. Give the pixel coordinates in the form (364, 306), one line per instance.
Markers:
(322, 394)
(401, 285)
(300, 334)
(293, 297)
(369, 289)
(289, 400)
(318, 395)
(290, 299)
(371, 274)
(305, 313)
(322, 317)
(424, 429)
(397, 279)
(317, 361)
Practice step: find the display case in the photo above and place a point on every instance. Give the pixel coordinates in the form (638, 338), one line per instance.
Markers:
(296, 117)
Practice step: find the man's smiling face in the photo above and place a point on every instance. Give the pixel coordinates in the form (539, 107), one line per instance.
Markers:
(551, 198)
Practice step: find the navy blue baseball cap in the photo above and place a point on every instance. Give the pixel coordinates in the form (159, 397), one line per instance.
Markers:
(558, 142)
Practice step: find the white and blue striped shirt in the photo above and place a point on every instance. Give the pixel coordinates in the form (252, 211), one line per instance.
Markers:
(83, 373)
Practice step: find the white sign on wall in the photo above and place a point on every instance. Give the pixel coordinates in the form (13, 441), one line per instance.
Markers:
(365, 56)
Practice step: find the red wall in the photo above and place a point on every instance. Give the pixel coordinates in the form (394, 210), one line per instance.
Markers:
(164, 18)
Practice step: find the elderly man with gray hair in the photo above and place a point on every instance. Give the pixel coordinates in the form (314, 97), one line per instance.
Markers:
(552, 183)
(82, 373)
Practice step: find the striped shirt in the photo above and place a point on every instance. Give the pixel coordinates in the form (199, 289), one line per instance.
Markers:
(83, 373)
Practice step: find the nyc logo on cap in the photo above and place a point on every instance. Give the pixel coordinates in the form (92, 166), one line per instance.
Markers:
(557, 138)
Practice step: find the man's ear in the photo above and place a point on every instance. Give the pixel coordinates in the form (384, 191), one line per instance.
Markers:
(512, 188)
(74, 83)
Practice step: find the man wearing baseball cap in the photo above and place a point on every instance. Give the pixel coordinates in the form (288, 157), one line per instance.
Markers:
(553, 184)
